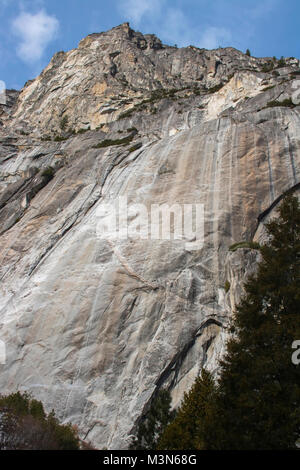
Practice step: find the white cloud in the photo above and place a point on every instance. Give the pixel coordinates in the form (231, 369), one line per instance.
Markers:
(135, 10)
(177, 28)
(213, 37)
(35, 31)
(174, 24)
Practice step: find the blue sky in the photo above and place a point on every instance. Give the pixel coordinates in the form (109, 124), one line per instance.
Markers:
(33, 30)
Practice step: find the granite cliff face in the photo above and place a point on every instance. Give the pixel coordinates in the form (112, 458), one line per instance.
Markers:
(94, 326)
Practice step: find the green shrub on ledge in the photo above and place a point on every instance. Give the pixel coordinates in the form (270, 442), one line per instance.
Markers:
(110, 142)
(286, 103)
(227, 286)
(251, 245)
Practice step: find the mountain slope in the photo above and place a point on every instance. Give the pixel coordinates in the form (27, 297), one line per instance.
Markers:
(94, 326)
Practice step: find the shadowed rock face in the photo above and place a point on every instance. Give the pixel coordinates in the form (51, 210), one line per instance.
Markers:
(94, 326)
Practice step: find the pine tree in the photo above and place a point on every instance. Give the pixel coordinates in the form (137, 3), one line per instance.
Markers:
(259, 389)
(256, 402)
(188, 430)
(281, 62)
(154, 422)
(24, 425)
(248, 53)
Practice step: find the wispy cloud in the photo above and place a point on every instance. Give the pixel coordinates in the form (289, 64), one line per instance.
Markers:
(35, 31)
(178, 28)
(136, 10)
(220, 25)
(174, 24)
(213, 37)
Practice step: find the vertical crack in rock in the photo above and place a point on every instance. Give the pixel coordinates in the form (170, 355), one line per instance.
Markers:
(269, 209)
(174, 366)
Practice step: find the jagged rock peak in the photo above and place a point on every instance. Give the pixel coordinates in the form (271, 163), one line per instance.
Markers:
(112, 73)
(124, 31)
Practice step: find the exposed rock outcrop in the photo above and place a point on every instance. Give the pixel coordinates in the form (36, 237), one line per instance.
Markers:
(94, 326)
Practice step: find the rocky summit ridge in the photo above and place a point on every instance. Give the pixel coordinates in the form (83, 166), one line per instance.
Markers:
(95, 327)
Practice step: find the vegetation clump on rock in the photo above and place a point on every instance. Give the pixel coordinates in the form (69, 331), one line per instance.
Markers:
(24, 425)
